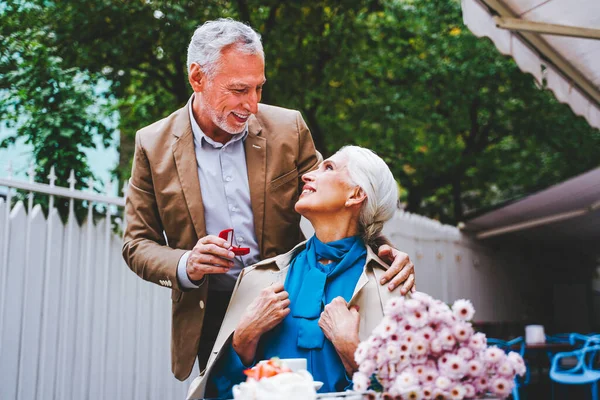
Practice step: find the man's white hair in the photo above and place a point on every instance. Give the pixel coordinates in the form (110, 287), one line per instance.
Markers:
(368, 171)
(212, 37)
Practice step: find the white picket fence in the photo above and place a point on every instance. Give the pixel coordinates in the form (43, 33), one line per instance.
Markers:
(75, 322)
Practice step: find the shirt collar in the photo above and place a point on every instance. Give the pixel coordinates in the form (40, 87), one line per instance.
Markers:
(201, 137)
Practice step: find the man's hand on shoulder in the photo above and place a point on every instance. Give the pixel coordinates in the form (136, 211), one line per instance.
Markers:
(211, 255)
(401, 271)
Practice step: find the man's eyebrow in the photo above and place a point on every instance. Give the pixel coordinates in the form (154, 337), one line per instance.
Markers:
(243, 84)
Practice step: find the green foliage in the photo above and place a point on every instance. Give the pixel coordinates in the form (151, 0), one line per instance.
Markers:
(459, 124)
(50, 105)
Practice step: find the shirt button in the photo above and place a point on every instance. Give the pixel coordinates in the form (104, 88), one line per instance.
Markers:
(240, 238)
(202, 304)
(228, 179)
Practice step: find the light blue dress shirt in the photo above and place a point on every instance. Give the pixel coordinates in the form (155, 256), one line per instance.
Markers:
(223, 176)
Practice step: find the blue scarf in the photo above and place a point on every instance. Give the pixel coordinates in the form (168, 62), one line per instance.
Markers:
(318, 284)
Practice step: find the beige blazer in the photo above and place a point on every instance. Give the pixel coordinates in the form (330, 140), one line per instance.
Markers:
(165, 216)
(368, 294)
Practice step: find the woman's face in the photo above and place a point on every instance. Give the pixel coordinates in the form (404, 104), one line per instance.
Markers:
(326, 189)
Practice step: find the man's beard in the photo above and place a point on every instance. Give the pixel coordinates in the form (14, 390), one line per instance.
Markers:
(220, 119)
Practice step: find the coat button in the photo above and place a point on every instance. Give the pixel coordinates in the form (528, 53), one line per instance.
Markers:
(202, 304)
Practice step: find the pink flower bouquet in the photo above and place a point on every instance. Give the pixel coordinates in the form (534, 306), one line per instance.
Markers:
(423, 349)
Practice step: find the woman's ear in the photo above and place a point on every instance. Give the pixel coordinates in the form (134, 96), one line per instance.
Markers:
(196, 77)
(356, 197)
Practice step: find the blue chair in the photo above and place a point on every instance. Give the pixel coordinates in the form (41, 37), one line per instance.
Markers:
(507, 347)
(584, 372)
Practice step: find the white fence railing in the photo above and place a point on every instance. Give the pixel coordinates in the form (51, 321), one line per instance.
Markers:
(75, 322)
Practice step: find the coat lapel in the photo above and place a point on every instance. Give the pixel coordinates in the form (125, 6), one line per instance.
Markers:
(187, 169)
(255, 147)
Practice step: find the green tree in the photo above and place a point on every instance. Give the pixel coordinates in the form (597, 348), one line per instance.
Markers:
(459, 124)
(52, 106)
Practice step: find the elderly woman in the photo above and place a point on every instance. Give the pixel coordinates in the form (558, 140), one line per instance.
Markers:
(331, 299)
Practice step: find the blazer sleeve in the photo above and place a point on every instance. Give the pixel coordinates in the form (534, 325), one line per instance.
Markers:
(144, 246)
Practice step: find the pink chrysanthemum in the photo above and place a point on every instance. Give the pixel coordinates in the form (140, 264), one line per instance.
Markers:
(436, 345)
(361, 352)
(474, 368)
(482, 384)
(517, 363)
(367, 367)
(407, 379)
(430, 376)
(439, 394)
(424, 298)
(455, 367)
(392, 351)
(457, 392)
(420, 372)
(419, 347)
(412, 305)
(462, 331)
(361, 382)
(447, 339)
(409, 337)
(506, 369)
(426, 333)
(465, 352)
(443, 382)
(381, 357)
(427, 392)
(387, 327)
(469, 390)
(463, 309)
(418, 318)
(477, 342)
(394, 306)
(501, 387)
(493, 355)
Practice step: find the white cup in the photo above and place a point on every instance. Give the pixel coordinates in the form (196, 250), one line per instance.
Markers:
(295, 364)
(534, 334)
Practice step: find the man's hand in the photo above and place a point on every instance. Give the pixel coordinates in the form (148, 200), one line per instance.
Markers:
(211, 255)
(340, 326)
(401, 270)
(262, 315)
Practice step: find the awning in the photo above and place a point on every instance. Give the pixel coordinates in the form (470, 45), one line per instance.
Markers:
(568, 59)
(566, 213)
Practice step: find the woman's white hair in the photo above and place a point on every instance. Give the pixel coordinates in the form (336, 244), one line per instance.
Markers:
(368, 171)
(212, 37)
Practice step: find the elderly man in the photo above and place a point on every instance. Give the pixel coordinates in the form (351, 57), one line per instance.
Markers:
(222, 161)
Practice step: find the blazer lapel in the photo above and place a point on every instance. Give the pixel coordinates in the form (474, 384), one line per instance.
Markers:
(255, 147)
(187, 169)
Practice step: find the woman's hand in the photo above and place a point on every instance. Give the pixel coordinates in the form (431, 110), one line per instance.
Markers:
(340, 326)
(262, 315)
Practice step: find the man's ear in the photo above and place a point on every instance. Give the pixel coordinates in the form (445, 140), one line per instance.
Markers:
(197, 78)
(357, 197)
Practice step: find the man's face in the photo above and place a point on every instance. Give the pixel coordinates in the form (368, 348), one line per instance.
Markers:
(227, 99)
